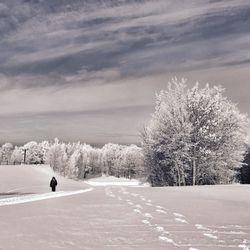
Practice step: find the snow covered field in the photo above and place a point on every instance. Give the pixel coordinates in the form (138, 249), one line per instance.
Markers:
(110, 213)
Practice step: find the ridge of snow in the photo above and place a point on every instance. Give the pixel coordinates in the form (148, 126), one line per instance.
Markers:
(39, 197)
(112, 181)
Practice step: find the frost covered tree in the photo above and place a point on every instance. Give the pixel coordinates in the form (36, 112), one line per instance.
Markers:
(57, 157)
(132, 162)
(166, 139)
(110, 155)
(33, 153)
(75, 164)
(17, 155)
(195, 136)
(44, 148)
(81, 162)
(218, 136)
(91, 160)
(122, 161)
(6, 153)
(244, 173)
(95, 162)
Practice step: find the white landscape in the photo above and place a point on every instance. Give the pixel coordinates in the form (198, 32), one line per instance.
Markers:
(114, 213)
(124, 125)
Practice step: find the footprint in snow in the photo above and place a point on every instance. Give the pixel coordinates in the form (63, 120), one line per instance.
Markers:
(166, 239)
(137, 211)
(161, 211)
(211, 236)
(179, 215)
(201, 227)
(159, 207)
(138, 206)
(148, 204)
(148, 215)
(181, 220)
(160, 229)
(146, 222)
(135, 195)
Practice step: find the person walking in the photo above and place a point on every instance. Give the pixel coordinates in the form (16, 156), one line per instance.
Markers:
(53, 184)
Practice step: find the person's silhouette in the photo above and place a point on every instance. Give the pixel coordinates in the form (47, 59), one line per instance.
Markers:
(53, 184)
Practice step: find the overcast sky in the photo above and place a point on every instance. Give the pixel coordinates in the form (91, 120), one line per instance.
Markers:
(88, 69)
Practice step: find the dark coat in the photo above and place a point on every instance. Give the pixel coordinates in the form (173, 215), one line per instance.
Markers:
(53, 182)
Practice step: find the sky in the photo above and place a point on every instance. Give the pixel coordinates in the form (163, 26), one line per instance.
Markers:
(88, 70)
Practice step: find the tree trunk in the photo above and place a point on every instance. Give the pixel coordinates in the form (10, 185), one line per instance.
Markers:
(183, 178)
(194, 172)
(178, 174)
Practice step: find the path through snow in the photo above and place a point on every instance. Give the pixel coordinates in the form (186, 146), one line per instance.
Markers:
(38, 197)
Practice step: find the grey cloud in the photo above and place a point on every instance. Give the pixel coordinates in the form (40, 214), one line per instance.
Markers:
(234, 63)
(128, 33)
(76, 64)
(126, 37)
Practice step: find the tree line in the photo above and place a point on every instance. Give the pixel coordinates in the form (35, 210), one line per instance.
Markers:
(77, 160)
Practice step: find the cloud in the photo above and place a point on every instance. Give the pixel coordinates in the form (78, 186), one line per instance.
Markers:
(65, 41)
(60, 57)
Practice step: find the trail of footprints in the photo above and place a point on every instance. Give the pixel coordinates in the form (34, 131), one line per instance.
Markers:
(164, 235)
(147, 217)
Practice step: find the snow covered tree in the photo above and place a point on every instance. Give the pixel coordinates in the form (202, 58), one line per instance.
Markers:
(110, 154)
(75, 164)
(244, 173)
(44, 148)
(166, 139)
(91, 160)
(57, 157)
(217, 136)
(195, 136)
(84, 160)
(33, 153)
(7, 149)
(94, 162)
(17, 155)
(122, 161)
(132, 162)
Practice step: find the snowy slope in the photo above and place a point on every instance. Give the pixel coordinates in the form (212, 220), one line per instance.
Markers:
(121, 217)
(32, 179)
(113, 181)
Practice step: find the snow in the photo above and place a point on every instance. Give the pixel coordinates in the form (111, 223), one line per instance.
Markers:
(148, 215)
(179, 215)
(161, 211)
(117, 217)
(39, 197)
(210, 236)
(166, 239)
(181, 220)
(113, 181)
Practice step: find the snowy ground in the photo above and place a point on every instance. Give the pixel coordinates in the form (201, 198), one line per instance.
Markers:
(110, 213)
